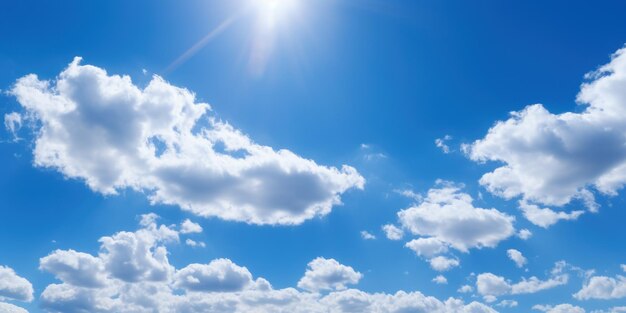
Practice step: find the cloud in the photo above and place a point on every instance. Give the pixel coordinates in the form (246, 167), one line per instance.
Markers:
(427, 247)
(442, 263)
(491, 285)
(188, 227)
(440, 279)
(328, 274)
(465, 289)
(449, 216)
(561, 308)
(10, 308)
(113, 135)
(441, 144)
(220, 286)
(544, 217)
(193, 243)
(392, 232)
(367, 236)
(220, 275)
(507, 303)
(14, 287)
(603, 287)
(524, 234)
(516, 257)
(13, 123)
(552, 159)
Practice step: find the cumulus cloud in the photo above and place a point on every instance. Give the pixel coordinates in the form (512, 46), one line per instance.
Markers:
(552, 159)
(114, 135)
(465, 289)
(328, 274)
(10, 308)
(392, 232)
(188, 227)
(507, 303)
(13, 123)
(427, 247)
(524, 234)
(545, 217)
(448, 215)
(516, 257)
(193, 243)
(492, 286)
(442, 263)
(603, 287)
(14, 287)
(561, 308)
(440, 279)
(220, 286)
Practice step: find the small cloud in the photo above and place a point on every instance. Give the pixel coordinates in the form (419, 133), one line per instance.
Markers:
(193, 243)
(465, 289)
(367, 236)
(524, 234)
(440, 280)
(13, 123)
(188, 227)
(441, 143)
(393, 232)
(507, 303)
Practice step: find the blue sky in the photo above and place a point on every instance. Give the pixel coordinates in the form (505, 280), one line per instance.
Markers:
(296, 126)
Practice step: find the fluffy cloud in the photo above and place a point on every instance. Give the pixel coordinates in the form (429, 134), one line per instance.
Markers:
(545, 217)
(603, 287)
(449, 216)
(219, 275)
(561, 308)
(13, 123)
(427, 247)
(367, 236)
(220, 286)
(188, 227)
(328, 274)
(440, 279)
(193, 243)
(516, 257)
(524, 234)
(491, 285)
(10, 308)
(392, 232)
(442, 263)
(113, 135)
(552, 159)
(14, 287)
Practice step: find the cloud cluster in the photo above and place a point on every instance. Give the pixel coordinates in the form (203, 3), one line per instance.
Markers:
(13, 288)
(603, 287)
(492, 286)
(132, 274)
(113, 135)
(551, 159)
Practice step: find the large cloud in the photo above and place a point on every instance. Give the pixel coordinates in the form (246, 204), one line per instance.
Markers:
(448, 215)
(220, 286)
(13, 288)
(552, 159)
(110, 133)
(603, 287)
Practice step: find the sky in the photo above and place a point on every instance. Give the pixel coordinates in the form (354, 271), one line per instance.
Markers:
(312, 156)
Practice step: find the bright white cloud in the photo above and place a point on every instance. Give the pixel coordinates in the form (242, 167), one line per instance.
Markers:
(427, 247)
(545, 217)
(603, 287)
(14, 287)
(367, 236)
(10, 308)
(392, 232)
(449, 216)
(561, 308)
(516, 257)
(524, 234)
(188, 227)
(441, 143)
(328, 274)
(113, 135)
(193, 243)
(442, 263)
(507, 303)
(552, 159)
(220, 286)
(491, 285)
(465, 289)
(440, 279)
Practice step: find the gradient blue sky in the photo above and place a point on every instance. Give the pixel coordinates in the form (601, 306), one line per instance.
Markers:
(366, 83)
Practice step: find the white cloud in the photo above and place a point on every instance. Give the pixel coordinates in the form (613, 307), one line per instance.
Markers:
(441, 143)
(524, 234)
(488, 284)
(617, 309)
(442, 263)
(392, 232)
(516, 257)
(544, 217)
(113, 135)
(623, 267)
(552, 159)
(13, 123)
(367, 236)
(449, 216)
(220, 275)
(507, 303)
(10, 308)
(465, 289)
(188, 227)
(220, 286)
(14, 287)
(561, 308)
(76, 268)
(603, 287)
(193, 243)
(328, 274)
(427, 247)
(440, 279)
